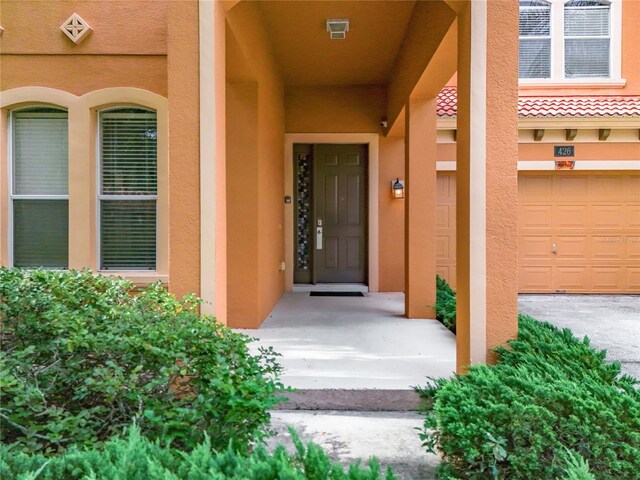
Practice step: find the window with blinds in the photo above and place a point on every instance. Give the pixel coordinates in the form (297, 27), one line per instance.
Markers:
(128, 188)
(535, 39)
(587, 39)
(39, 188)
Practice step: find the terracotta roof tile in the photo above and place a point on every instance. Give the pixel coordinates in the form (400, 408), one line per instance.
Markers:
(555, 107)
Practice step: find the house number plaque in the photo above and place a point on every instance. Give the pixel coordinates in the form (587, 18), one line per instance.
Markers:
(563, 151)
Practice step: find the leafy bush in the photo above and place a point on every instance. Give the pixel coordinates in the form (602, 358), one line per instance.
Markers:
(576, 467)
(445, 306)
(549, 392)
(136, 458)
(82, 357)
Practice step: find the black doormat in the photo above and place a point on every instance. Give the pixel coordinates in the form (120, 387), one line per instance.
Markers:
(336, 294)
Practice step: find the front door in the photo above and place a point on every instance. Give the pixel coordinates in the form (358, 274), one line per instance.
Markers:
(340, 213)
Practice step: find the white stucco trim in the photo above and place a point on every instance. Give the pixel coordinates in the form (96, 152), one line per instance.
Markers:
(478, 187)
(207, 156)
(370, 139)
(597, 165)
(532, 165)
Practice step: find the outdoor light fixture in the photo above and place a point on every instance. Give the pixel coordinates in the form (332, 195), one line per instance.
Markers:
(337, 28)
(397, 188)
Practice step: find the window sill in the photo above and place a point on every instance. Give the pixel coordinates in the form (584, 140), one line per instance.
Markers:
(139, 278)
(571, 83)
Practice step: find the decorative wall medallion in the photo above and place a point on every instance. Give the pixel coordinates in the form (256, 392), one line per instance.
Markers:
(75, 28)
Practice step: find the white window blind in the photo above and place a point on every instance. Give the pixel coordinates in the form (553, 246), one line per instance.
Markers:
(128, 189)
(535, 39)
(39, 190)
(587, 39)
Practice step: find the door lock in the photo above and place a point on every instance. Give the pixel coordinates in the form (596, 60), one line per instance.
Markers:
(318, 238)
(554, 248)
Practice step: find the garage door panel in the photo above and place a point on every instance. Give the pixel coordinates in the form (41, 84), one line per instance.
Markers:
(633, 216)
(606, 187)
(442, 216)
(571, 278)
(632, 245)
(535, 186)
(572, 246)
(632, 187)
(607, 279)
(566, 186)
(535, 217)
(442, 247)
(610, 247)
(607, 216)
(535, 279)
(633, 279)
(571, 216)
(535, 247)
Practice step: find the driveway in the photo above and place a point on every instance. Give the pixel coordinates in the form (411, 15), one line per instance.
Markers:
(612, 322)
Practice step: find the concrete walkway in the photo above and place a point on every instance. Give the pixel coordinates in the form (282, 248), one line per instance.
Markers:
(355, 353)
(611, 322)
(348, 436)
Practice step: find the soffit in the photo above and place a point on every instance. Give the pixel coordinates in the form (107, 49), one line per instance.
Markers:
(306, 55)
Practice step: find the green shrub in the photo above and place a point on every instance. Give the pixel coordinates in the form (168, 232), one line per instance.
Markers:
(136, 458)
(82, 357)
(549, 392)
(576, 467)
(445, 306)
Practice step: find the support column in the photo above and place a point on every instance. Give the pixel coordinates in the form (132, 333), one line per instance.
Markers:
(487, 179)
(213, 195)
(183, 79)
(420, 207)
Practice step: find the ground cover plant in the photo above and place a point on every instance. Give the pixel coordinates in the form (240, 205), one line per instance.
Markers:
(82, 357)
(551, 407)
(445, 306)
(136, 458)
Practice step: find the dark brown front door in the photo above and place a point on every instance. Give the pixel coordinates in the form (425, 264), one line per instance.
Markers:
(340, 213)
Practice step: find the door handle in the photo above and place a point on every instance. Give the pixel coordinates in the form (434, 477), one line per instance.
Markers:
(554, 248)
(318, 238)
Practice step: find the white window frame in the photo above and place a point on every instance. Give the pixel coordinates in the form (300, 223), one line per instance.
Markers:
(10, 180)
(101, 197)
(558, 78)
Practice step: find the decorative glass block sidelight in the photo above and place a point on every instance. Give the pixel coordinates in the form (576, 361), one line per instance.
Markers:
(303, 200)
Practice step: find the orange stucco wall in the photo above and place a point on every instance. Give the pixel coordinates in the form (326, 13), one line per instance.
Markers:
(335, 109)
(264, 192)
(391, 211)
(36, 53)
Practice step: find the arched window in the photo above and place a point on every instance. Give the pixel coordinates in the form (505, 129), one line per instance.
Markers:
(128, 189)
(587, 43)
(39, 188)
(535, 39)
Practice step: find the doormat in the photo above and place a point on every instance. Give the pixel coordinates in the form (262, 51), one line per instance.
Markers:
(336, 294)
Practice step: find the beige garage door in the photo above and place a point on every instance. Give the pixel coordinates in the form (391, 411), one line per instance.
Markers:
(578, 232)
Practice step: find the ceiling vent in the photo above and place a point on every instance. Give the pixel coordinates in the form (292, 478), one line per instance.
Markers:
(337, 28)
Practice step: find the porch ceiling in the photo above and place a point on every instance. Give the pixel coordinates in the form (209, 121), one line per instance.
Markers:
(306, 55)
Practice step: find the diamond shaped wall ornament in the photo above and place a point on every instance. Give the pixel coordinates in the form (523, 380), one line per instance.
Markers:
(75, 28)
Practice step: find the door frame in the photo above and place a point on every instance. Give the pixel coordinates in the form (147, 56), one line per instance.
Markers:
(370, 139)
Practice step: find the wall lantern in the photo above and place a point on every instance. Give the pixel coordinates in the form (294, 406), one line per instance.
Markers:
(397, 188)
(337, 28)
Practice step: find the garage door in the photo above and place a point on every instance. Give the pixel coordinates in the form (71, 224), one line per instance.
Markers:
(578, 232)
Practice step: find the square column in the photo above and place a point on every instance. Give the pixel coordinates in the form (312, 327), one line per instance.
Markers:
(487, 179)
(420, 207)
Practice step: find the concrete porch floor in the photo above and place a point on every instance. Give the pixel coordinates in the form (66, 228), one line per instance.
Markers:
(355, 346)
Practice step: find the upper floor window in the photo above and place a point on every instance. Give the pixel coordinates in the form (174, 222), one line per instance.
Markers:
(535, 39)
(570, 40)
(128, 189)
(587, 38)
(39, 193)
